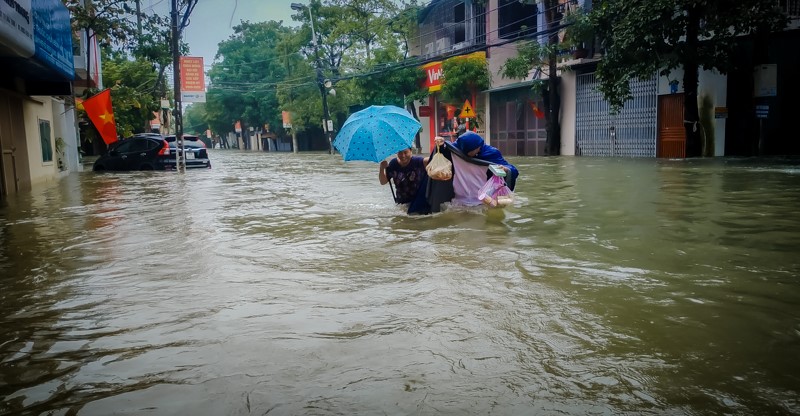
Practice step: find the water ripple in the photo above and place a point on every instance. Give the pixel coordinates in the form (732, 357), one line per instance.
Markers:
(291, 284)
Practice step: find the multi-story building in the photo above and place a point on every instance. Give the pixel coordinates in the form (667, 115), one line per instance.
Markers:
(742, 113)
(447, 28)
(37, 120)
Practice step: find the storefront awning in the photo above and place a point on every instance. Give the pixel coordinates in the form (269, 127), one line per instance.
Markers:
(511, 86)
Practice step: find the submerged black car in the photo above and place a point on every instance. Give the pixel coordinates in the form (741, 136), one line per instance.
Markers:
(196, 152)
(139, 152)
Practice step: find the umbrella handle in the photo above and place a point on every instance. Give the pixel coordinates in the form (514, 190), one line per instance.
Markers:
(392, 188)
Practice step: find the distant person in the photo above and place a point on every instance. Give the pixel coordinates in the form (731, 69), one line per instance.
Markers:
(462, 128)
(407, 172)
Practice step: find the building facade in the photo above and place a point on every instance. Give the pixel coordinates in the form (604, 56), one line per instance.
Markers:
(744, 112)
(37, 120)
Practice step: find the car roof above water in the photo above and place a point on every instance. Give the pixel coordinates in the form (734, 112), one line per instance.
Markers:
(147, 135)
(190, 140)
(171, 137)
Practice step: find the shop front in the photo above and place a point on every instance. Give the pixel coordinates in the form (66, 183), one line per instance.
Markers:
(443, 116)
(35, 120)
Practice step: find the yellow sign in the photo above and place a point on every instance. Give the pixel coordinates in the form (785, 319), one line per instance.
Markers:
(467, 111)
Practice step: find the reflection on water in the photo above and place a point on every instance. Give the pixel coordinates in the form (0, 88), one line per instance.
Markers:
(291, 284)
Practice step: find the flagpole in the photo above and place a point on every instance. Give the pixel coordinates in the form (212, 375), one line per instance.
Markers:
(180, 161)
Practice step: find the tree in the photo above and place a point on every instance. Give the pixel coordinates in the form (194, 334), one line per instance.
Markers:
(112, 21)
(542, 59)
(136, 54)
(118, 24)
(194, 119)
(366, 23)
(465, 76)
(244, 84)
(386, 78)
(644, 37)
(298, 94)
(132, 82)
(333, 36)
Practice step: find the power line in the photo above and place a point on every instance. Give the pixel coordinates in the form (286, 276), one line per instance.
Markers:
(417, 61)
(416, 38)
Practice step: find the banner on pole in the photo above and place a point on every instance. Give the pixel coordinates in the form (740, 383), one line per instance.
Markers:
(193, 81)
(287, 119)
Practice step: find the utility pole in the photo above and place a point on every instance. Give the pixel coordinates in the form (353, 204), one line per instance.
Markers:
(180, 162)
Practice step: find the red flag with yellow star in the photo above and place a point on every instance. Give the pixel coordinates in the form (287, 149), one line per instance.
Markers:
(98, 108)
(536, 111)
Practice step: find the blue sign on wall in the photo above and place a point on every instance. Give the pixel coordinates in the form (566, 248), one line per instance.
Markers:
(52, 36)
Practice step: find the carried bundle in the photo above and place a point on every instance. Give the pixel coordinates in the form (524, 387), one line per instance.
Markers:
(439, 168)
(495, 192)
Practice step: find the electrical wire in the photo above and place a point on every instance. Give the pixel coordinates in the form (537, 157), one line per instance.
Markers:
(417, 61)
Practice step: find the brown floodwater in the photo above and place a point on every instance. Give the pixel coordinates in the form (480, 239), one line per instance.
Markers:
(289, 284)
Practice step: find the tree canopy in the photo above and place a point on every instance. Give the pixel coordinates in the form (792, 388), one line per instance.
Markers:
(245, 82)
(266, 68)
(643, 37)
(136, 54)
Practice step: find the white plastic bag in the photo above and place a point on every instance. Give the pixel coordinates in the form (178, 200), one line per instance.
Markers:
(439, 168)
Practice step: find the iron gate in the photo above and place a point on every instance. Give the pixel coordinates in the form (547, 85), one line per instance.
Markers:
(630, 133)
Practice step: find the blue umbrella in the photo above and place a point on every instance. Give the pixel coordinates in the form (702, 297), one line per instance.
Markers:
(375, 133)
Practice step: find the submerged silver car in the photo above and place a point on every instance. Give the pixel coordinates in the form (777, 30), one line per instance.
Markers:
(196, 152)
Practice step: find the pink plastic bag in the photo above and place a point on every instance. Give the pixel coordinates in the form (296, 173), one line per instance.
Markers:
(495, 192)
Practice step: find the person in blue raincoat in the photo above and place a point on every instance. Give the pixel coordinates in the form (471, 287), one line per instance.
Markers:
(472, 144)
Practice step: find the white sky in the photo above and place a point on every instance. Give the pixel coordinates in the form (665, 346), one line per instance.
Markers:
(212, 21)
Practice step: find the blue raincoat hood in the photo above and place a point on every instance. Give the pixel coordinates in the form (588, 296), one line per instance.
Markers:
(470, 141)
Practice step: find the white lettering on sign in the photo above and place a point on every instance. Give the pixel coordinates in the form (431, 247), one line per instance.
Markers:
(434, 74)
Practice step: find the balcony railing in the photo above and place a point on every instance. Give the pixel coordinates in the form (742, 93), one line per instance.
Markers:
(791, 8)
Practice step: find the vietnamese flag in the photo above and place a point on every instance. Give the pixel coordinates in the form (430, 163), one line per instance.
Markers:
(98, 108)
(536, 111)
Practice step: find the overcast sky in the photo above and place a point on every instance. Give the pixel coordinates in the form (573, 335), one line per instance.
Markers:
(212, 21)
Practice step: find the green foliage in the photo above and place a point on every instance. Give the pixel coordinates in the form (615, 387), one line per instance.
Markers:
(579, 30)
(642, 37)
(531, 56)
(244, 83)
(132, 83)
(134, 60)
(403, 26)
(465, 75)
(365, 22)
(395, 86)
(112, 21)
(194, 119)
(386, 81)
(265, 68)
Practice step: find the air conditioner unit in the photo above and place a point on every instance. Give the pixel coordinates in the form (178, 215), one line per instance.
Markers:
(460, 45)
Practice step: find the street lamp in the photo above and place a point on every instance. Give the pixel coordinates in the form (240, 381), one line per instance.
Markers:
(327, 124)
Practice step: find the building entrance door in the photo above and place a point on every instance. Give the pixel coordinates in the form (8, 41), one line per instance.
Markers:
(12, 146)
(671, 133)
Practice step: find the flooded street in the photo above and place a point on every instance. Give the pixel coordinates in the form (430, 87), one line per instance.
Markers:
(289, 284)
